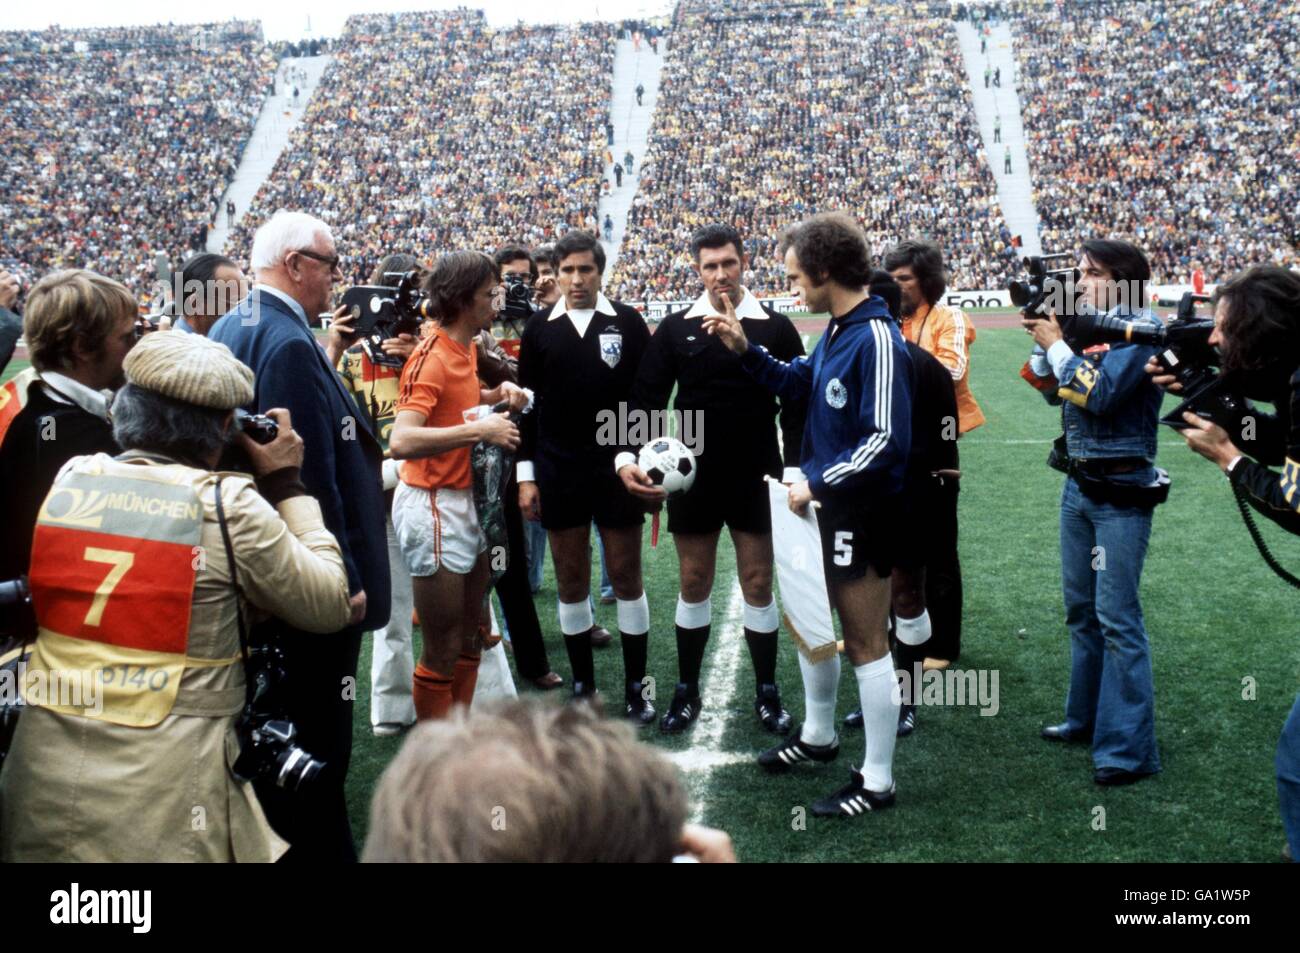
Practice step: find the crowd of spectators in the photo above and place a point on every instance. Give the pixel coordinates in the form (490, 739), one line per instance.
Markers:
(433, 131)
(1170, 123)
(120, 142)
(811, 109)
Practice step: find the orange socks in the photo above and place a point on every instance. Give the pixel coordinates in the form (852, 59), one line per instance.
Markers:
(432, 692)
(466, 677)
(435, 693)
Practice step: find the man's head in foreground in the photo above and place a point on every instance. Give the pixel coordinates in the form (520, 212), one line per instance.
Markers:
(526, 782)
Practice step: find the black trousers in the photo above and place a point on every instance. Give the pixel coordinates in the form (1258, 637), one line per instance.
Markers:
(937, 510)
(317, 695)
(517, 597)
(943, 595)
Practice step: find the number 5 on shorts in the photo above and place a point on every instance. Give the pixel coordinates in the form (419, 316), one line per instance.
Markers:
(121, 561)
(844, 548)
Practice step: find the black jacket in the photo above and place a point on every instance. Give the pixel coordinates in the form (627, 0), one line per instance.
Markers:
(1275, 495)
(29, 462)
(934, 416)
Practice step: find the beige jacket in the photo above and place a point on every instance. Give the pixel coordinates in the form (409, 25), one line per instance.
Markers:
(76, 788)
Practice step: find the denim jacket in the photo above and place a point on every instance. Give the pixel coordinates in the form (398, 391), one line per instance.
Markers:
(1111, 408)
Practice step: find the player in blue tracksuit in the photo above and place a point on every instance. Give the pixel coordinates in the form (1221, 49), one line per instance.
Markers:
(857, 437)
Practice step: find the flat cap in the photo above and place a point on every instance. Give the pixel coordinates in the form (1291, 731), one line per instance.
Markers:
(189, 368)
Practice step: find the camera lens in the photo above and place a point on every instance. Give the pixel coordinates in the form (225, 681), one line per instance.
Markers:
(297, 768)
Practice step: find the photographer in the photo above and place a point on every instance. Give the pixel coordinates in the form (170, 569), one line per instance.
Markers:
(434, 513)
(1109, 416)
(79, 327)
(119, 767)
(1257, 331)
(374, 385)
(495, 367)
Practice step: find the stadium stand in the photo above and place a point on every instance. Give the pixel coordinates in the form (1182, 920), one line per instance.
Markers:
(434, 132)
(1172, 125)
(814, 110)
(119, 142)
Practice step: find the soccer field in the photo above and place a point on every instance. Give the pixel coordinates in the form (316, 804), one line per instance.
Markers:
(985, 787)
(973, 787)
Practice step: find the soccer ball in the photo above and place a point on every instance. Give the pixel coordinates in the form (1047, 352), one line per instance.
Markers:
(669, 463)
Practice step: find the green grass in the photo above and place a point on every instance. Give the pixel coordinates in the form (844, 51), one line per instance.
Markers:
(973, 787)
(986, 788)
(14, 368)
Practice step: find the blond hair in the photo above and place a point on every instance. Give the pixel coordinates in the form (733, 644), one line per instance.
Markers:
(70, 308)
(526, 782)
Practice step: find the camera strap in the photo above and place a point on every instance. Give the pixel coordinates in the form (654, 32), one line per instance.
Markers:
(234, 581)
(1240, 493)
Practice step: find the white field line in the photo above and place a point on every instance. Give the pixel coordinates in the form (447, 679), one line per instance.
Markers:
(718, 693)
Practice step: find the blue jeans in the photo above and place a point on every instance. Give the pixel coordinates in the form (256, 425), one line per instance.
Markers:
(1288, 778)
(1112, 696)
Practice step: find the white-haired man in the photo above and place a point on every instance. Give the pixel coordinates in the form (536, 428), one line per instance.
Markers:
(295, 264)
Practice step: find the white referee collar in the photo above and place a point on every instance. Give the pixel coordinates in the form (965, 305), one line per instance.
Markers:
(602, 307)
(747, 308)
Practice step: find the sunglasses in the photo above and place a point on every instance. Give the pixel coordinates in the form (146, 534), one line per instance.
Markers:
(332, 260)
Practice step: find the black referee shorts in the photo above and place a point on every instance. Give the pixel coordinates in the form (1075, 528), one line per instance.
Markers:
(736, 498)
(580, 495)
(857, 534)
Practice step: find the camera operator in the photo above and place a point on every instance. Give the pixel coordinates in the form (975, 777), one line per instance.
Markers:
(1109, 413)
(545, 294)
(1257, 331)
(434, 512)
(116, 768)
(374, 386)
(495, 367)
(79, 327)
(547, 289)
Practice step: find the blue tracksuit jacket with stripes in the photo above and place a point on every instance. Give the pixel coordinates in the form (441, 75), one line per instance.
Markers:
(858, 384)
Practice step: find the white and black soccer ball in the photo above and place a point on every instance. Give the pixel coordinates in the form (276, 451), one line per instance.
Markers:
(669, 463)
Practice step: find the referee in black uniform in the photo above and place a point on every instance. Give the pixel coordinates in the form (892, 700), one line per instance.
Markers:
(579, 357)
(731, 421)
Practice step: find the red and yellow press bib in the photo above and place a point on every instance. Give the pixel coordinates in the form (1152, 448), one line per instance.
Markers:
(13, 398)
(114, 562)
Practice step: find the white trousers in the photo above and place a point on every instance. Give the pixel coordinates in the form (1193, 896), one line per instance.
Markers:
(392, 661)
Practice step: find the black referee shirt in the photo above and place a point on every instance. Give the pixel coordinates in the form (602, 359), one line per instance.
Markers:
(573, 380)
(738, 414)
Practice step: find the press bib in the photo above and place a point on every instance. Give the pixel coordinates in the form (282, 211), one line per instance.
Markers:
(114, 562)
